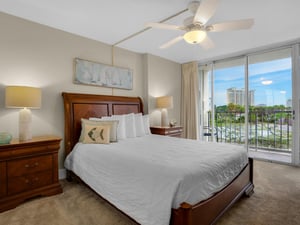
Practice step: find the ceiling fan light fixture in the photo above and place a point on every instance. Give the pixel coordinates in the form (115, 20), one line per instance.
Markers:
(194, 36)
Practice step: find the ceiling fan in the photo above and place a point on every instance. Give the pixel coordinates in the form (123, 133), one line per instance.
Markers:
(196, 28)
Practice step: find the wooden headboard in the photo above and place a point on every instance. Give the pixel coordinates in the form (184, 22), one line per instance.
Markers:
(79, 106)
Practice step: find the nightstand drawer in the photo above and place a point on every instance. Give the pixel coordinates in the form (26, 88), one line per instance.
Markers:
(29, 165)
(174, 132)
(28, 182)
(167, 131)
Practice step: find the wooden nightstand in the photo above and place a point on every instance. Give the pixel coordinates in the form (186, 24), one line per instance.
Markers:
(28, 169)
(167, 131)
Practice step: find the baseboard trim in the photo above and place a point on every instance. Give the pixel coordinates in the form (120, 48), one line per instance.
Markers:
(62, 174)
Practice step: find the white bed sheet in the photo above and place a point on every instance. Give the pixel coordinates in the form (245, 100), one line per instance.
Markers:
(147, 176)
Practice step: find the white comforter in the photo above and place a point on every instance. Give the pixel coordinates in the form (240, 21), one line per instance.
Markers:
(147, 176)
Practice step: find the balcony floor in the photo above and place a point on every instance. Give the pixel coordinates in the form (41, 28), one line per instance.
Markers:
(278, 157)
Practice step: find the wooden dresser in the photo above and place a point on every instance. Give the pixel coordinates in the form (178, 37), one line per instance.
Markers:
(175, 131)
(28, 169)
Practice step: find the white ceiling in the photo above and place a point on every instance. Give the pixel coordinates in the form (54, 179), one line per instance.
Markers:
(110, 21)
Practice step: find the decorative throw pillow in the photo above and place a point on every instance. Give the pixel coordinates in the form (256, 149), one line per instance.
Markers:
(96, 134)
(109, 121)
(97, 122)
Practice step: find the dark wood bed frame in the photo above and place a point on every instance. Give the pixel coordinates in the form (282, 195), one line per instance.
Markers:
(79, 106)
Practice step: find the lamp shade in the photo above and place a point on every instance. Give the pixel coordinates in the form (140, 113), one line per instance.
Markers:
(21, 96)
(164, 102)
(194, 36)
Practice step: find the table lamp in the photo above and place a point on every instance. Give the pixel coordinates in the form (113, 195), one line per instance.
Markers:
(25, 98)
(164, 103)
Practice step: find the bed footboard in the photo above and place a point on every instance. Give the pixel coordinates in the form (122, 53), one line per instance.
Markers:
(209, 211)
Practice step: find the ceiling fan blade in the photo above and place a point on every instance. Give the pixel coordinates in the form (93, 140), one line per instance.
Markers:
(164, 26)
(232, 25)
(205, 11)
(207, 43)
(171, 42)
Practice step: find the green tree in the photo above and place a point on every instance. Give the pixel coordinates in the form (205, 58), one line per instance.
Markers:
(231, 107)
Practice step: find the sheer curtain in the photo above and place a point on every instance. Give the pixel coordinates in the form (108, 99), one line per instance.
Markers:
(190, 99)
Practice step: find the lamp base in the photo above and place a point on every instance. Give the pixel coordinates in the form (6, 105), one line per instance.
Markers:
(164, 118)
(25, 125)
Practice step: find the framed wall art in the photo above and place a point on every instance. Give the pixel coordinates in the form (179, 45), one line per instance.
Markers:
(98, 74)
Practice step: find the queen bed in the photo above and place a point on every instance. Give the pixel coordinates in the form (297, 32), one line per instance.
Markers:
(155, 180)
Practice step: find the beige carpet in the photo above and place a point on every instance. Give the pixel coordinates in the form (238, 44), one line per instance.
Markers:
(276, 201)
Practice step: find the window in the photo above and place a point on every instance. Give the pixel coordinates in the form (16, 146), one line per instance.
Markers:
(249, 100)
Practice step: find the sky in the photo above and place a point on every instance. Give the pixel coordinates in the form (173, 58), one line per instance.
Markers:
(270, 80)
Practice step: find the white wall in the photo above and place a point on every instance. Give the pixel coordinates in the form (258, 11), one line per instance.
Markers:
(35, 55)
(39, 56)
(164, 78)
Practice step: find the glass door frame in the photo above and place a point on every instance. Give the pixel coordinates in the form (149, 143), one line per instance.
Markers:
(295, 59)
(295, 103)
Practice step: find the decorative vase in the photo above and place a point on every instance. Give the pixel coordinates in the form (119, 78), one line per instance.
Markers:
(5, 138)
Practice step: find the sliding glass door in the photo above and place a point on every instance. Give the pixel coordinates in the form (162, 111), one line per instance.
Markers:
(229, 101)
(223, 105)
(270, 114)
(249, 101)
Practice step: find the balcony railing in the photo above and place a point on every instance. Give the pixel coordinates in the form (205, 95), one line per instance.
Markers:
(268, 130)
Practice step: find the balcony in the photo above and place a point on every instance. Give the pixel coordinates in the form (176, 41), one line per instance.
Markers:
(269, 131)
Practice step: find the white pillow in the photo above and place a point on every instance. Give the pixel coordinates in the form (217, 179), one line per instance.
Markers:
(146, 124)
(121, 132)
(130, 125)
(139, 125)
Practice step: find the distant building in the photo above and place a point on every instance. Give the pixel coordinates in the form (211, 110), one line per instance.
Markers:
(237, 96)
(289, 103)
(262, 105)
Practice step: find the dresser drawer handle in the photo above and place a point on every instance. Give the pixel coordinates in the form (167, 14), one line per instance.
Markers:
(32, 166)
(31, 181)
